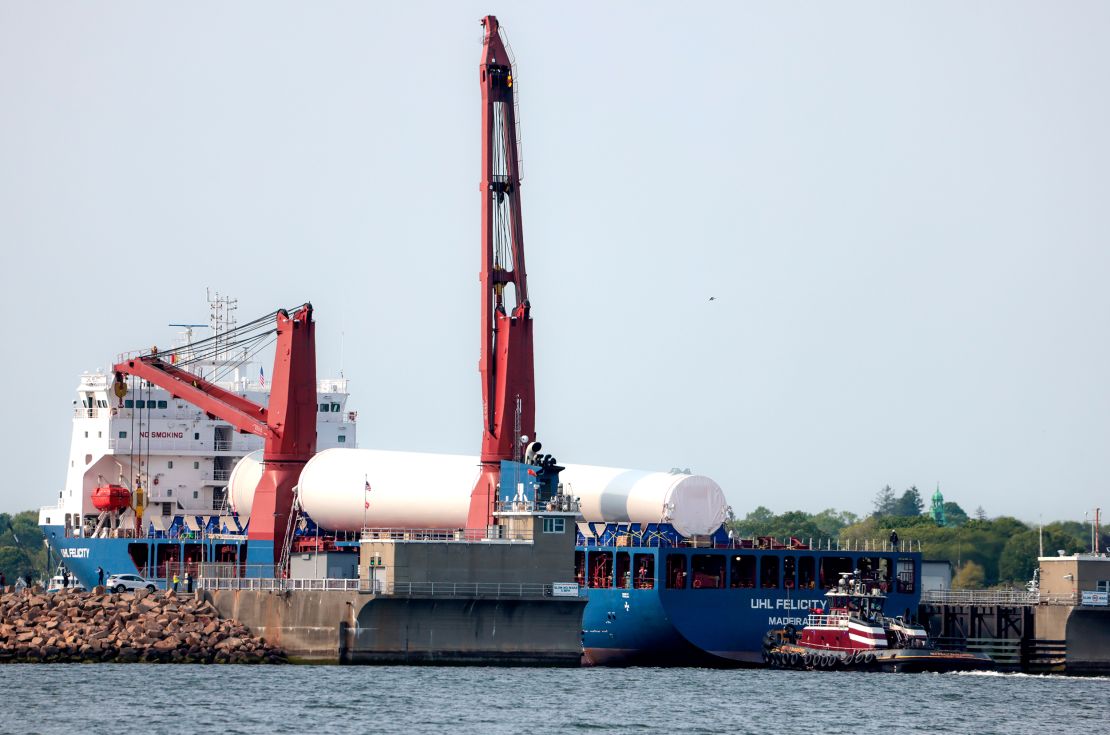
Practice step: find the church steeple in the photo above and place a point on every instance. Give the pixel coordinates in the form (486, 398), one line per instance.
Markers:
(937, 510)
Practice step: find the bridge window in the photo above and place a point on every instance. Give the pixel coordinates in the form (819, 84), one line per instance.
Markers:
(676, 572)
(831, 569)
(129, 403)
(123, 435)
(169, 465)
(163, 404)
(644, 565)
(708, 571)
(789, 572)
(769, 572)
(324, 408)
(600, 569)
(742, 572)
(554, 525)
(624, 570)
(335, 408)
(906, 575)
(342, 439)
(806, 577)
(140, 403)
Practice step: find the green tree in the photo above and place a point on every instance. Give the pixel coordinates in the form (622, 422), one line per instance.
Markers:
(910, 504)
(969, 577)
(954, 514)
(830, 522)
(885, 502)
(980, 513)
(21, 549)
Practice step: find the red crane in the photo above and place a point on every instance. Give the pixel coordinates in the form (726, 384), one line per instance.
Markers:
(287, 424)
(505, 365)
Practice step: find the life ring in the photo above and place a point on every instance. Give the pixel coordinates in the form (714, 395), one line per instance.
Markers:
(697, 583)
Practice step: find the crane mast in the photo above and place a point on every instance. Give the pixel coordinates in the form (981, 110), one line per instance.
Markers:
(287, 423)
(506, 361)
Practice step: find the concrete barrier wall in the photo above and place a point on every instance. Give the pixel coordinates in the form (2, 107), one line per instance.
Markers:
(1088, 637)
(305, 624)
(515, 632)
(348, 627)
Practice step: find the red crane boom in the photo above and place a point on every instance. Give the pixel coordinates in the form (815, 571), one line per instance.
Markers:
(506, 362)
(288, 424)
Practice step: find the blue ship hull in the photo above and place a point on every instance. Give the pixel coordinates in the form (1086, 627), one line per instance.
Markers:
(154, 558)
(660, 625)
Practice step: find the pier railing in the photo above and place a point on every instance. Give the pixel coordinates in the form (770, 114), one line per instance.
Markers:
(393, 589)
(493, 534)
(1006, 597)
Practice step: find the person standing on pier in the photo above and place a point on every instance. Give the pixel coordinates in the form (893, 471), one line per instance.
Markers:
(100, 576)
(176, 581)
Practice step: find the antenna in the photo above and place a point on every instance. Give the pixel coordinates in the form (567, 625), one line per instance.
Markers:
(189, 331)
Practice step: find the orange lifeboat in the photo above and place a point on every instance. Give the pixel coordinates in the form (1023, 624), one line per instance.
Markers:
(111, 497)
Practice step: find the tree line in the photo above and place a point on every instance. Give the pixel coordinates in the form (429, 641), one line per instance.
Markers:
(22, 551)
(983, 551)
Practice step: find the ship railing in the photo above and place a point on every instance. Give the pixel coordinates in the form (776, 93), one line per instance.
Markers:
(558, 504)
(181, 444)
(493, 534)
(655, 539)
(1013, 597)
(830, 620)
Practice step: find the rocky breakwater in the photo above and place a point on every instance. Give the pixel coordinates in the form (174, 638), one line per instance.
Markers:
(127, 627)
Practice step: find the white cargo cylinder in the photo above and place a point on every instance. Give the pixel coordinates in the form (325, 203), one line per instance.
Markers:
(406, 489)
(419, 490)
(241, 483)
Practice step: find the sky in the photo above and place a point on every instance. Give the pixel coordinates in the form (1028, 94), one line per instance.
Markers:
(898, 209)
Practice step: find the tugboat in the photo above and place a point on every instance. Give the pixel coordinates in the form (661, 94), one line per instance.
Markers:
(855, 635)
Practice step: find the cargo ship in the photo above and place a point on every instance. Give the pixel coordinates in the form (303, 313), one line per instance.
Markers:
(665, 582)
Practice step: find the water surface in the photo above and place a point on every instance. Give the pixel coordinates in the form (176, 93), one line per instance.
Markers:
(176, 699)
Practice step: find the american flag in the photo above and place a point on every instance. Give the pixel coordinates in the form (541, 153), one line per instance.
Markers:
(261, 377)
(367, 493)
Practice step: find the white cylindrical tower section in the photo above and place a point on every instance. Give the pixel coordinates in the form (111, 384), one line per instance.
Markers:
(693, 504)
(417, 490)
(406, 489)
(241, 483)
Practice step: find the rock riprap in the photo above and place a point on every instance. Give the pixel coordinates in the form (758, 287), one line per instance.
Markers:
(129, 627)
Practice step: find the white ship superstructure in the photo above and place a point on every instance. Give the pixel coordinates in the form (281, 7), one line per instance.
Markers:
(173, 457)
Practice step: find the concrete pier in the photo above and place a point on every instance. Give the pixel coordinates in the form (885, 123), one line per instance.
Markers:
(429, 627)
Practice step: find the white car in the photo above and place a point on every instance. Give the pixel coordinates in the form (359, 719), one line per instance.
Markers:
(125, 582)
